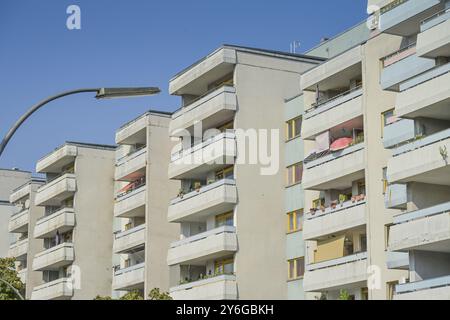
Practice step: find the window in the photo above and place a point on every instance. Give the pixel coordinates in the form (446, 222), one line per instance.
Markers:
(390, 287)
(386, 118)
(364, 294)
(385, 181)
(226, 126)
(362, 187)
(296, 268)
(295, 221)
(293, 128)
(294, 174)
(224, 267)
(227, 173)
(225, 219)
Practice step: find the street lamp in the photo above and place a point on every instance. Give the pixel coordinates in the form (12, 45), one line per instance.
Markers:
(101, 93)
(13, 289)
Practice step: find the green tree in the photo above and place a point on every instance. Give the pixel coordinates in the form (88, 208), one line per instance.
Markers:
(344, 295)
(132, 295)
(156, 294)
(9, 279)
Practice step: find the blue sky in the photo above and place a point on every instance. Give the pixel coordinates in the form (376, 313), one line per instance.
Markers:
(130, 43)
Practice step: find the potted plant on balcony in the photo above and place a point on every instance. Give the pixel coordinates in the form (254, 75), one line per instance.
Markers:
(180, 193)
(342, 199)
(334, 204)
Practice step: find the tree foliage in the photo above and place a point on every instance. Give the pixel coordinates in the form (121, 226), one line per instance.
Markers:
(9, 274)
(155, 294)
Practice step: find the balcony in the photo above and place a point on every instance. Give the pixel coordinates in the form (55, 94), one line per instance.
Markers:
(426, 96)
(132, 167)
(130, 240)
(204, 246)
(332, 112)
(434, 40)
(215, 198)
(337, 273)
(61, 289)
(430, 289)
(19, 250)
(55, 161)
(54, 258)
(131, 204)
(56, 191)
(20, 193)
(61, 221)
(426, 230)
(212, 109)
(397, 260)
(221, 287)
(424, 160)
(18, 223)
(334, 73)
(344, 216)
(203, 158)
(336, 170)
(194, 79)
(396, 196)
(398, 132)
(401, 66)
(131, 278)
(403, 17)
(134, 132)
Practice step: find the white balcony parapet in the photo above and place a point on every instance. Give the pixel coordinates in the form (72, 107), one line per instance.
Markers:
(335, 155)
(336, 273)
(20, 193)
(129, 278)
(56, 190)
(426, 229)
(222, 287)
(54, 258)
(425, 285)
(22, 274)
(129, 239)
(434, 39)
(55, 290)
(345, 216)
(19, 249)
(211, 199)
(220, 104)
(337, 262)
(435, 19)
(426, 141)
(62, 220)
(215, 152)
(129, 204)
(18, 222)
(217, 241)
(128, 133)
(57, 159)
(130, 164)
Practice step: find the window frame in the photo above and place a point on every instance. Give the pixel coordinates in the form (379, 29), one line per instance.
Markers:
(292, 174)
(294, 263)
(290, 130)
(294, 214)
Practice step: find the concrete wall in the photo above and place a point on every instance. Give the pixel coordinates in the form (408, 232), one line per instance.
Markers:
(160, 190)
(426, 265)
(262, 84)
(377, 101)
(92, 236)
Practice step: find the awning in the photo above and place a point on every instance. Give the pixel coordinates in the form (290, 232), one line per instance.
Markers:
(340, 144)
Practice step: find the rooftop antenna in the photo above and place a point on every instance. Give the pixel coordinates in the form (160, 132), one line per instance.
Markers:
(294, 46)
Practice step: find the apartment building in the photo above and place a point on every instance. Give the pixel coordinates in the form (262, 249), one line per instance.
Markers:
(22, 224)
(9, 180)
(233, 232)
(417, 134)
(142, 193)
(75, 228)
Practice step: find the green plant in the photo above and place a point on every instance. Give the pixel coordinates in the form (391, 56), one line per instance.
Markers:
(132, 295)
(10, 279)
(156, 294)
(342, 198)
(443, 152)
(344, 295)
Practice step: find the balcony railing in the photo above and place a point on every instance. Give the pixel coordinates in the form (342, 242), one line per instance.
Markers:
(134, 154)
(425, 77)
(423, 285)
(434, 20)
(179, 154)
(209, 92)
(422, 142)
(392, 5)
(327, 104)
(203, 189)
(204, 235)
(423, 213)
(339, 207)
(336, 155)
(136, 186)
(336, 262)
(399, 55)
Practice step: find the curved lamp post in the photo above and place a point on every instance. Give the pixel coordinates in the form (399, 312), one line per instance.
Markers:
(101, 93)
